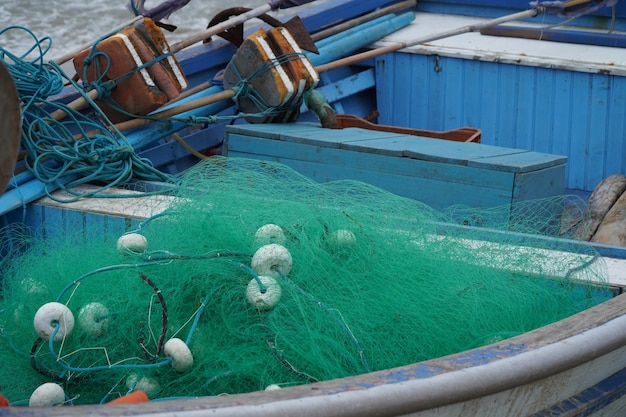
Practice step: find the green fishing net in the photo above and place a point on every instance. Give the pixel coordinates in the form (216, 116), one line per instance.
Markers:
(256, 276)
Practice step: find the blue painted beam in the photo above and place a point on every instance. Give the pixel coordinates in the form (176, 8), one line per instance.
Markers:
(558, 35)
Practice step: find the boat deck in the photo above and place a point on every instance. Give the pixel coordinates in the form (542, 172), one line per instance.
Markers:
(530, 52)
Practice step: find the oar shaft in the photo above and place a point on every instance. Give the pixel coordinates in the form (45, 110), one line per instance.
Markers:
(363, 19)
(396, 46)
(182, 108)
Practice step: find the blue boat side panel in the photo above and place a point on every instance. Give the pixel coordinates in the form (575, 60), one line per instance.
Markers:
(58, 223)
(520, 161)
(437, 172)
(556, 111)
(591, 400)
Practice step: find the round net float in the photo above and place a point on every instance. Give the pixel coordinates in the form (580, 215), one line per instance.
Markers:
(134, 243)
(271, 258)
(272, 387)
(269, 233)
(149, 385)
(93, 319)
(179, 353)
(342, 237)
(264, 298)
(51, 315)
(47, 395)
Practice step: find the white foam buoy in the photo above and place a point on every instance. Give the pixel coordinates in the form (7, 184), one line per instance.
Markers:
(179, 353)
(149, 385)
(342, 238)
(47, 395)
(272, 387)
(93, 319)
(269, 233)
(132, 243)
(267, 299)
(51, 315)
(269, 259)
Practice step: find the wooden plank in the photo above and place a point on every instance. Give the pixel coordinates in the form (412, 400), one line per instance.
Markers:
(336, 138)
(503, 159)
(543, 183)
(525, 161)
(444, 184)
(139, 207)
(428, 149)
(271, 130)
(436, 193)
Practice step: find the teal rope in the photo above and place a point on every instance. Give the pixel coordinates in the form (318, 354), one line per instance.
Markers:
(66, 153)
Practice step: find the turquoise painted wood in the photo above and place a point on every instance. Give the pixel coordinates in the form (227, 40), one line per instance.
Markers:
(62, 223)
(437, 172)
(576, 114)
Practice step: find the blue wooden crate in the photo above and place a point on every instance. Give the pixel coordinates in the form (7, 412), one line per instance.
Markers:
(437, 172)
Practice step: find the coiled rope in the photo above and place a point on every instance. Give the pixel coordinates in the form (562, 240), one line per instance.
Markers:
(78, 149)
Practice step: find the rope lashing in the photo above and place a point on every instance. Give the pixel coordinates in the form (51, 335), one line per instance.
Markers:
(245, 89)
(78, 148)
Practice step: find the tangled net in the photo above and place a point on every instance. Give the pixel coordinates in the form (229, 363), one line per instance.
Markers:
(257, 276)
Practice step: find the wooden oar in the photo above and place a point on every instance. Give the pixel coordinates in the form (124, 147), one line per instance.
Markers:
(10, 126)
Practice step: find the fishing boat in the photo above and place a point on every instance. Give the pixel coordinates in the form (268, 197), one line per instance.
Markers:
(477, 114)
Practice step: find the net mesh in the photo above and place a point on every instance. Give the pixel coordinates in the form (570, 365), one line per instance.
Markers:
(267, 277)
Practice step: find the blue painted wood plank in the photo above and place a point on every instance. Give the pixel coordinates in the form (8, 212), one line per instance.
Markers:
(238, 146)
(356, 83)
(543, 112)
(436, 184)
(597, 140)
(427, 149)
(616, 128)
(435, 192)
(548, 110)
(523, 161)
(392, 144)
(309, 134)
(547, 182)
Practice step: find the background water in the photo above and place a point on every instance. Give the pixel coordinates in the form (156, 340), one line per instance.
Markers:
(73, 23)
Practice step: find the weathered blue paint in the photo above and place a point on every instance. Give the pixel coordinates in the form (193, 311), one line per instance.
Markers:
(591, 400)
(483, 356)
(437, 172)
(600, 19)
(575, 114)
